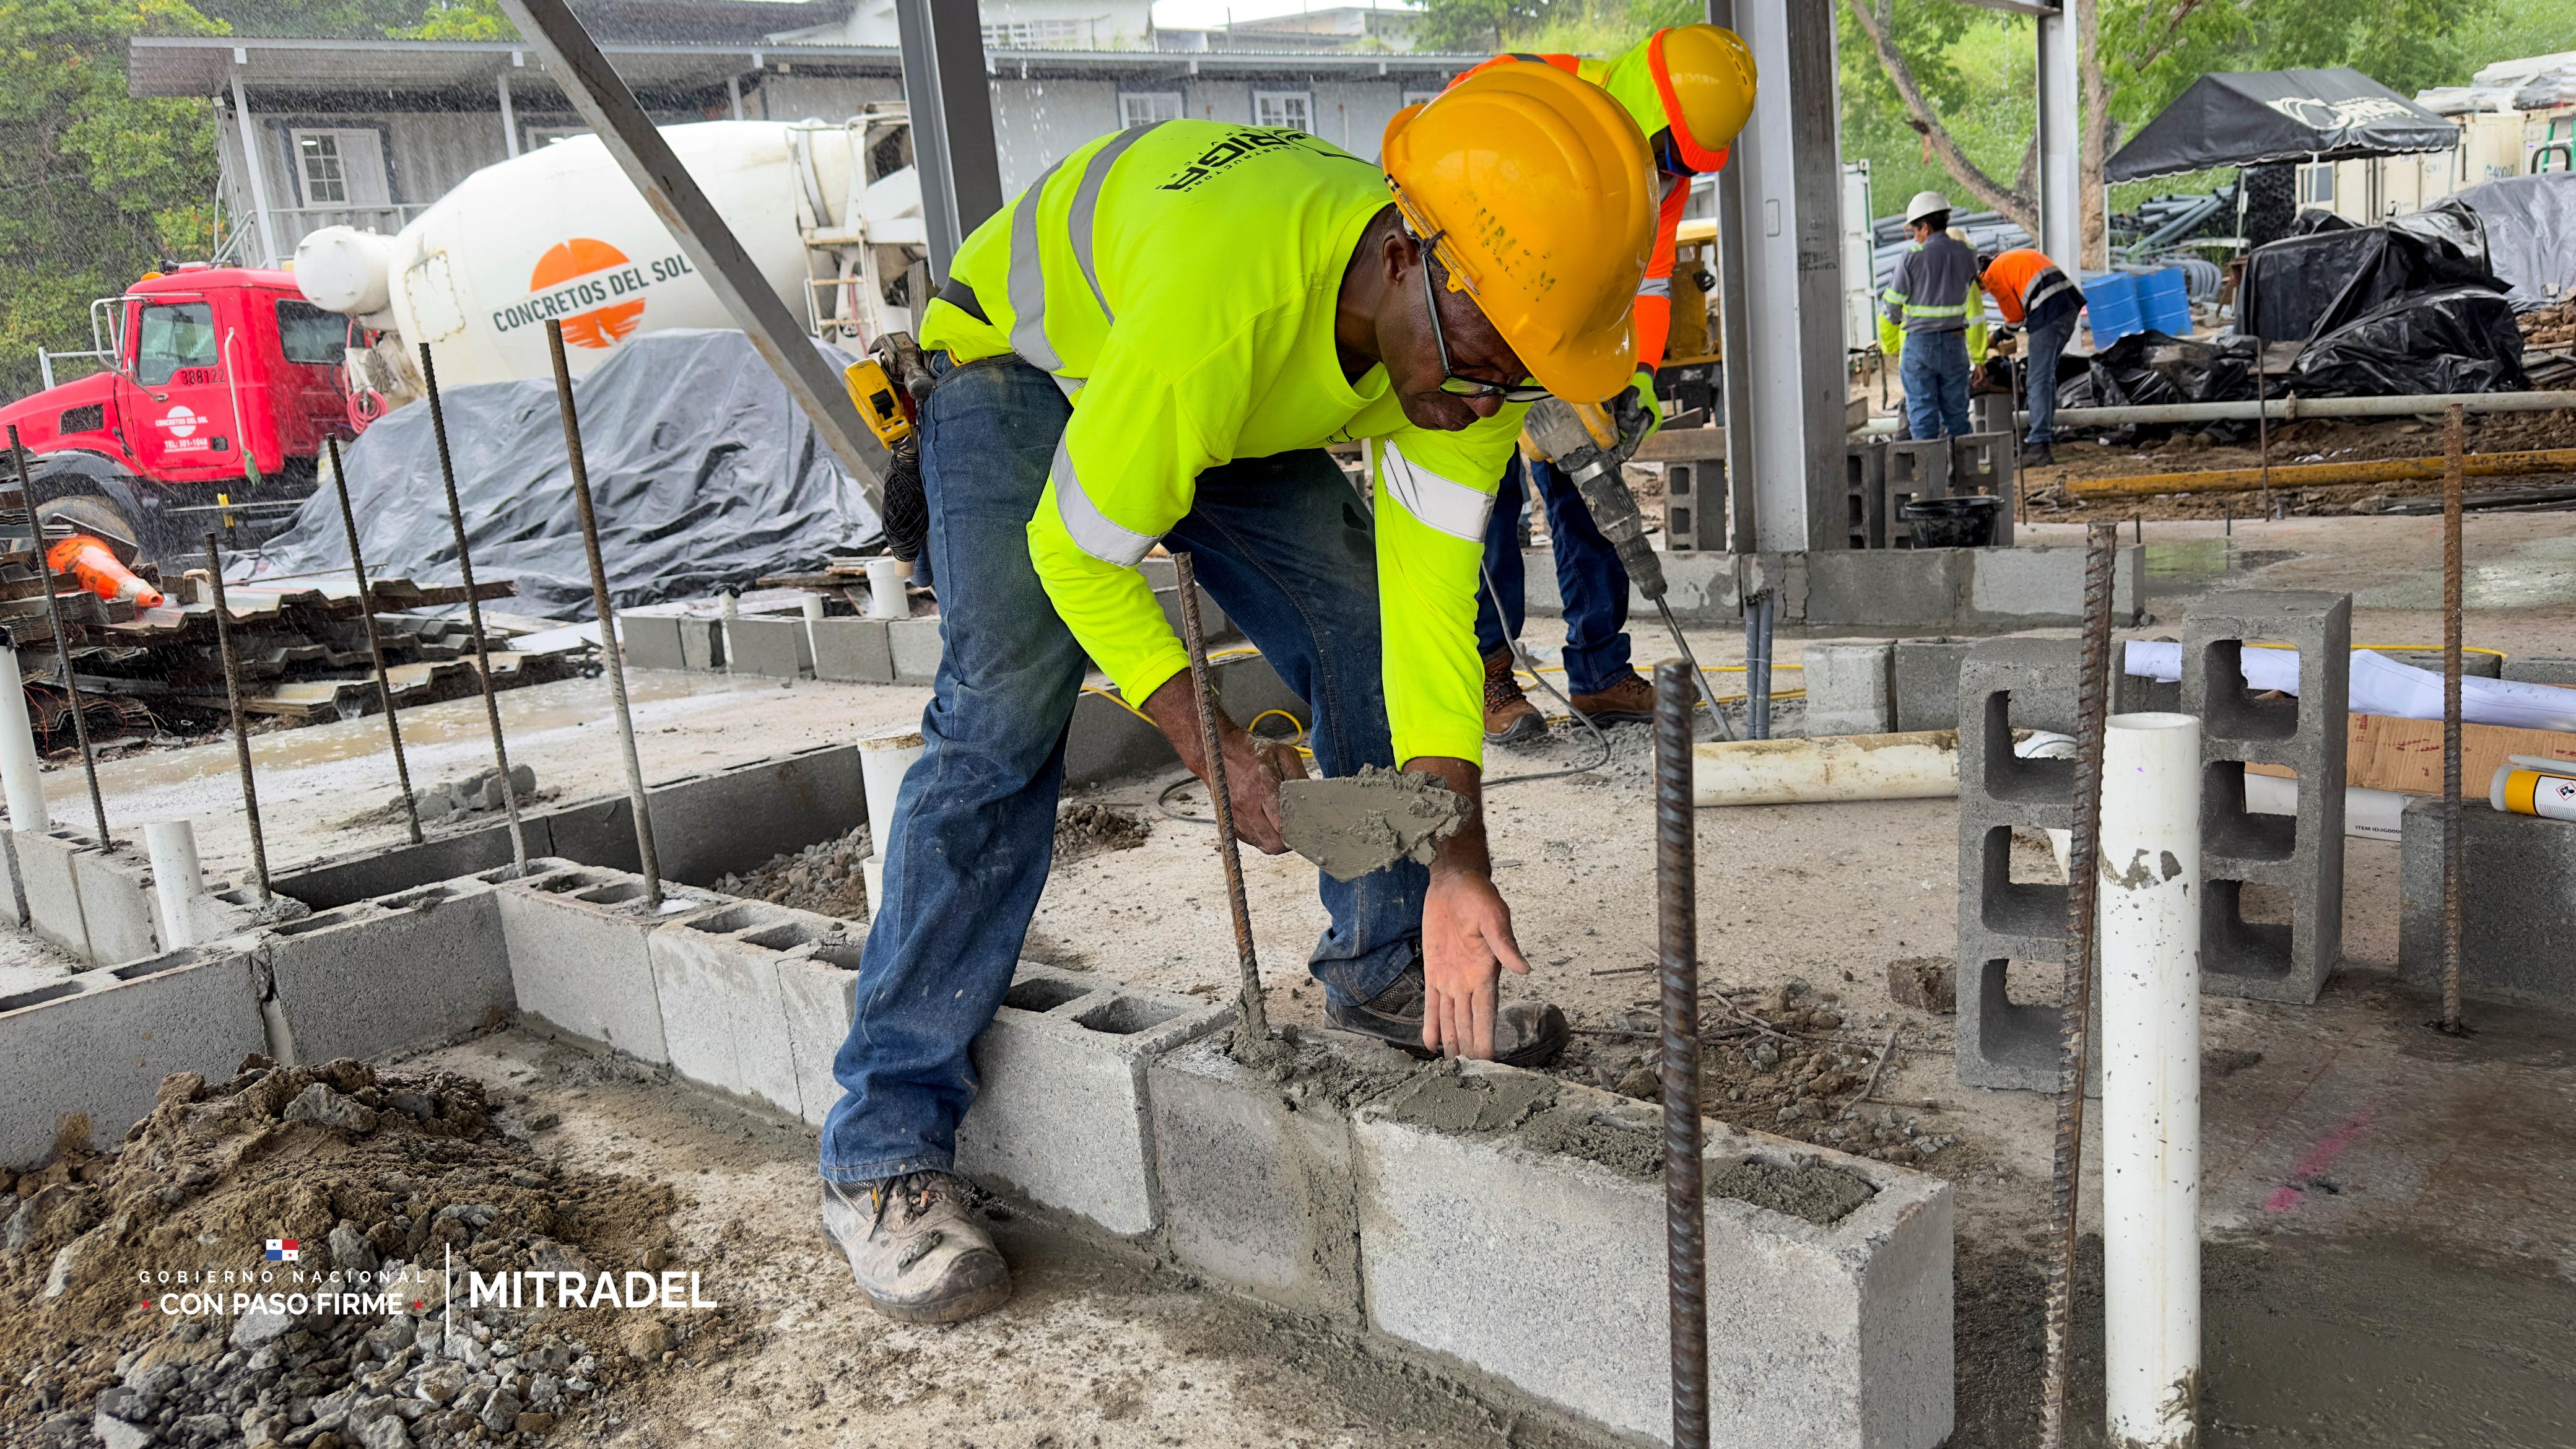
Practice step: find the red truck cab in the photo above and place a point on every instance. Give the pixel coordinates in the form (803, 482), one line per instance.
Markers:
(221, 384)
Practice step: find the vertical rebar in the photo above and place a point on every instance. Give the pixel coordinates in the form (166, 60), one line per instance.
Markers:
(62, 637)
(1251, 1016)
(474, 614)
(375, 641)
(2075, 1002)
(241, 731)
(2453, 466)
(608, 650)
(1677, 923)
(2262, 435)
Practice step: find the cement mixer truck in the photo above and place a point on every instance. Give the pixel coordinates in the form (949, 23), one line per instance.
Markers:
(220, 384)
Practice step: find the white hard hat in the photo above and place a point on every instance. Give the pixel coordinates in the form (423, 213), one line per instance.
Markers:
(1924, 204)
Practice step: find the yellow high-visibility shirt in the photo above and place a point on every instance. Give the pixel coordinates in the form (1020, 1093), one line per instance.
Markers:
(1179, 281)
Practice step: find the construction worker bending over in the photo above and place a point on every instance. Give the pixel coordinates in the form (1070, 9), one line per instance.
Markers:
(2036, 295)
(1689, 89)
(1153, 344)
(1933, 302)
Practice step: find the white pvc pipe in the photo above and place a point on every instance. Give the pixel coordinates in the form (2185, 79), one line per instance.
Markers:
(2288, 409)
(1920, 766)
(19, 780)
(176, 880)
(883, 760)
(887, 577)
(2149, 921)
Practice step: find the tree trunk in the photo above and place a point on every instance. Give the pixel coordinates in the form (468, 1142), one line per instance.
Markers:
(2096, 144)
(2016, 203)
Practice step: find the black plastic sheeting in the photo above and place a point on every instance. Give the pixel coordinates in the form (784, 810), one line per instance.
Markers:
(703, 474)
(2455, 339)
(2306, 286)
(2530, 226)
(2246, 118)
(2148, 369)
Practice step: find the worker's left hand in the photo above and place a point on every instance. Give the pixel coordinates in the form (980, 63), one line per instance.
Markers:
(1637, 413)
(1466, 944)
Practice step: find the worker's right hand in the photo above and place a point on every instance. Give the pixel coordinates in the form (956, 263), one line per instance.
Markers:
(1253, 766)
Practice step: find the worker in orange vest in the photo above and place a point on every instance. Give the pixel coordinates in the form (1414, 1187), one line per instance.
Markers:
(1689, 89)
(2037, 296)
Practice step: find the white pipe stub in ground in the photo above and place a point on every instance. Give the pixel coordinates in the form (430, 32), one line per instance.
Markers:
(2149, 928)
(1923, 765)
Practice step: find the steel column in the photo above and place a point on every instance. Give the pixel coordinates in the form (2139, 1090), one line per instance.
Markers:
(1735, 338)
(258, 173)
(509, 117)
(952, 120)
(602, 97)
(2060, 140)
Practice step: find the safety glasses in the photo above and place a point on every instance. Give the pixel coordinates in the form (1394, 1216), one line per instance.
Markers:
(1450, 382)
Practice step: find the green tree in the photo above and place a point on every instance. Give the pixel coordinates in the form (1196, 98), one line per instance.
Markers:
(101, 186)
(1580, 27)
(462, 20)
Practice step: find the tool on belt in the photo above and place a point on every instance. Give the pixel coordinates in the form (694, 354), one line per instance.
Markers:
(888, 388)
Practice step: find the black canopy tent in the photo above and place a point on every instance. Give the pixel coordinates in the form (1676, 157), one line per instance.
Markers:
(2249, 118)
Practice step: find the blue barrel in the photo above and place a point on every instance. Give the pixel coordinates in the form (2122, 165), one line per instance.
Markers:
(2111, 307)
(2164, 301)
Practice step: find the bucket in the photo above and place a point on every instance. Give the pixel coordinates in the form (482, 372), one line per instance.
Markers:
(2111, 307)
(2164, 302)
(1967, 521)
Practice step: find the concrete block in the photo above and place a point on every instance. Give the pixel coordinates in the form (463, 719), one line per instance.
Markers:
(2023, 588)
(99, 1043)
(2559, 669)
(1823, 1334)
(577, 961)
(715, 972)
(389, 869)
(1886, 588)
(915, 646)
(1062, 1118)
(2474, 666)
(362, 980)
(1106, 741)
(1865, 491)
(817, 989)
(1695, 506)
(707, 826)
(1927, 679)
(853, 649)
(1851, 688)
(1989, 461)
(2299, 856)
(45, 872)
(1916, 468)
(702, 643)
(2517, 904)
(772, 646)
(1259, 1190)
(1700, 587)
(116, 900)
(652, 640)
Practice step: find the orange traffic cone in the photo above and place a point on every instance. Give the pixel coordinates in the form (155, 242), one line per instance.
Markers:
(91, 562)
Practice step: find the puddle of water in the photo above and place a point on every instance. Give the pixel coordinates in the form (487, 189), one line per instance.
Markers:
(2188, 565)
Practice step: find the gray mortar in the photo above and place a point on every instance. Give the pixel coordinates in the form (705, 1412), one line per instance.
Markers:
(1306, 1069)
(1355, 824)
(1447, 1101)
(1804, 1189)
(1629, 1149)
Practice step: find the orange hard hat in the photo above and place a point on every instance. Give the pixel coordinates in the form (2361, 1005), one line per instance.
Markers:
(1539, 196)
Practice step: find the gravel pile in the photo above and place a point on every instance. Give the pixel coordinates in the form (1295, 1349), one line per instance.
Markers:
(823, 878)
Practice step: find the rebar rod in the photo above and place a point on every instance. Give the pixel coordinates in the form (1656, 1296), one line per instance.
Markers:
(2075, 1001)
(62, 639)
(2454, 470)
(375, 642)
(474, 614)
(608, 650)
(1251, 1016)
(241, 731)
(1677, 922)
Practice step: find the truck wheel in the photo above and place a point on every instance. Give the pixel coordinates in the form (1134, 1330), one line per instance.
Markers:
(101, 518)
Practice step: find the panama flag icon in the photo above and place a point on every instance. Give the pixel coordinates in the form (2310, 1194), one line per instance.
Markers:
(282, 1250)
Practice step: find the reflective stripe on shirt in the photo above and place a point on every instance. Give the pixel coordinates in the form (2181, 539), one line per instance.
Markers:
(1445, 504)
(1093, 531)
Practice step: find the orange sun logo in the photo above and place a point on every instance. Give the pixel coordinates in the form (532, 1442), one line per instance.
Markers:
(579, 257)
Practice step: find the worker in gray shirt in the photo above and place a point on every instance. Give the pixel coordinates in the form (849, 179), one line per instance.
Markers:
(1932, 300)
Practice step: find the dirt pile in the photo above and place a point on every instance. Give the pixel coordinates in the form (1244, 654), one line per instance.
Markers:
(1091, 828)
(823, 878)
(283, 1258)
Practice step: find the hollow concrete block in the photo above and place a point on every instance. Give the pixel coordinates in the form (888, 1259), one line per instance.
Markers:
(915, 646)
(1820, 1335)
(1927, 682)
(1851, 688)
(817, 989)
(575, 942)
(362, 980)
(652, 641)
(117, 900)
(770, 646)
(45, 872)
(1259, 1191)
(99, 1043)
(1062, 1117)
(715, 972)
(2517, 904)
(853, 649)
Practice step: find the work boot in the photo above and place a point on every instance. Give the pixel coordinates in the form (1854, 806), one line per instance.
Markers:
(1628, 699)
(919, 1256)
(1526, 1033)
(2037, 455)
(1509, 716)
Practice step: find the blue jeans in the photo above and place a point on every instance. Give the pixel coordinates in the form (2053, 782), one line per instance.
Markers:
(1934, 369)
(1589, 577)
(2045, 343)
(1283, 546)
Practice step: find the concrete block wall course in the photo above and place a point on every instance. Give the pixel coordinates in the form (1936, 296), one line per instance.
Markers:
(1062, 1117)
(771, 646)
(99, 1043)
(2517, 904)
(1700, 586)
(853, 649)
(731, 820)
(1886, 588)
(1926, 673)
(2559, 669)
(724, 1016)
(360, 981)
(1832, 1335)
(581, 966)
(1851, 688)
(2301, 856)
(2020, 588)
(652, 640)
(915, 645)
